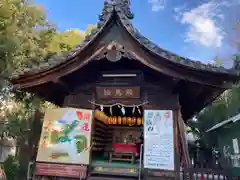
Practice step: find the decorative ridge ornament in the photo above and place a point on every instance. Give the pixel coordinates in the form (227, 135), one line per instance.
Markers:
(114, 53)
(122, 5)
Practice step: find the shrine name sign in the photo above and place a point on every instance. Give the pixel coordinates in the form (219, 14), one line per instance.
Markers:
(118, 92)
(61, 170)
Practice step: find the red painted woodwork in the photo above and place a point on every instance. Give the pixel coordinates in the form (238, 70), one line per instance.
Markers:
(126, 148)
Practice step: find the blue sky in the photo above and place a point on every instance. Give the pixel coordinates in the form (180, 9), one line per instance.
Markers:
(195, 29)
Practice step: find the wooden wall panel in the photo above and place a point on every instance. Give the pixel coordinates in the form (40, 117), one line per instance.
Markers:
(160, 97)
(79, 100)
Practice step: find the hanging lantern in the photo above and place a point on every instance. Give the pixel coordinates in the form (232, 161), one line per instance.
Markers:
(100, 115)
(129, 120)
(119, 120)
(124, 120)
(110, 120)
(139, 121)
(134, 120)
(142, 121)
(105, 121)
(114, 120)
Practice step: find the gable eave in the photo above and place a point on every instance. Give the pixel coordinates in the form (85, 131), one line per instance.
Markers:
(109, 10)
(56, 63)
(174, 58)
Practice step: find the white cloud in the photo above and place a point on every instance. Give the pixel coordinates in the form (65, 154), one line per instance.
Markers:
(179, 12)
(204, 23)
(157, 5)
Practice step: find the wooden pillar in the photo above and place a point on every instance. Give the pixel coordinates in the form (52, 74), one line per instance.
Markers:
(176, 145)
(185, 158)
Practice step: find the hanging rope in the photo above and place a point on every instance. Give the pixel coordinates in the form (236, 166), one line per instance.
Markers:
(118, 104)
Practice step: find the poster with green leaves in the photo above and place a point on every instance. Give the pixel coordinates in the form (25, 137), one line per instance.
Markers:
(65, 136)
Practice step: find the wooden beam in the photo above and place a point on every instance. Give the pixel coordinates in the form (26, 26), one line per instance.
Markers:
(205, 97)
(62, 84)
(183, 141)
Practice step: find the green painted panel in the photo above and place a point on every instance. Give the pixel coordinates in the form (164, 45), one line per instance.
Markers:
(236, 171)
(227, 134)
(225, 141)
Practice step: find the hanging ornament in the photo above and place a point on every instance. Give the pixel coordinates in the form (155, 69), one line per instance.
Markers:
(134, 120)
(110, 120)
(119, 120)
(123, 110)
(114, 120)
(124, 120)
(101, 107)
(139, 121)
(133, 110)
(139, 111)
(111, 110)
(129, 120)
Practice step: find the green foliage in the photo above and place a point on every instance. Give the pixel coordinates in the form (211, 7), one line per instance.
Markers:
(65, 41)
(225, 106)
(27, 37)
(90, 28)
(11, 168)
(217, 61)
(20, 25)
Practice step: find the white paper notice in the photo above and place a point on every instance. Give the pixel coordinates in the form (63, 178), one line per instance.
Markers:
(158, 139)
(235, 146)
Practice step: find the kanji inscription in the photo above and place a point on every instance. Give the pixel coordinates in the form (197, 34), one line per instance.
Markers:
(118, 92)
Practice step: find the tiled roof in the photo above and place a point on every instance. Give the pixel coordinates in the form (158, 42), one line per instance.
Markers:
(122, 9)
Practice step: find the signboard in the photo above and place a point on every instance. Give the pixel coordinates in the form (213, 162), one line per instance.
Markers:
(61, 170)
(118, 92)
(65, 136)
(158, 139)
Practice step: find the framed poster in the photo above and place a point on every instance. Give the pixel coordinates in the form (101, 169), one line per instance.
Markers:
(65, 136)
(158, 139)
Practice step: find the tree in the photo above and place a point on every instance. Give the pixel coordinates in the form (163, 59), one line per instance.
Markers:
(65, 41)
(21, 24)
(228, 103)
(26, 37)
(89, 29)
(218, 61)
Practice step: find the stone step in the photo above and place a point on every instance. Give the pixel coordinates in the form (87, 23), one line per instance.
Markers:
(105, 177)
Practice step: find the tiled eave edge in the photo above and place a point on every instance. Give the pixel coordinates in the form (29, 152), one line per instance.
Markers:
(182, 61)
(107, 12)
(56, 61)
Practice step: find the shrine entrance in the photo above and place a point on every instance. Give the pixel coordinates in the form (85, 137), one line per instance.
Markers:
(168, 82)
(118, 132)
